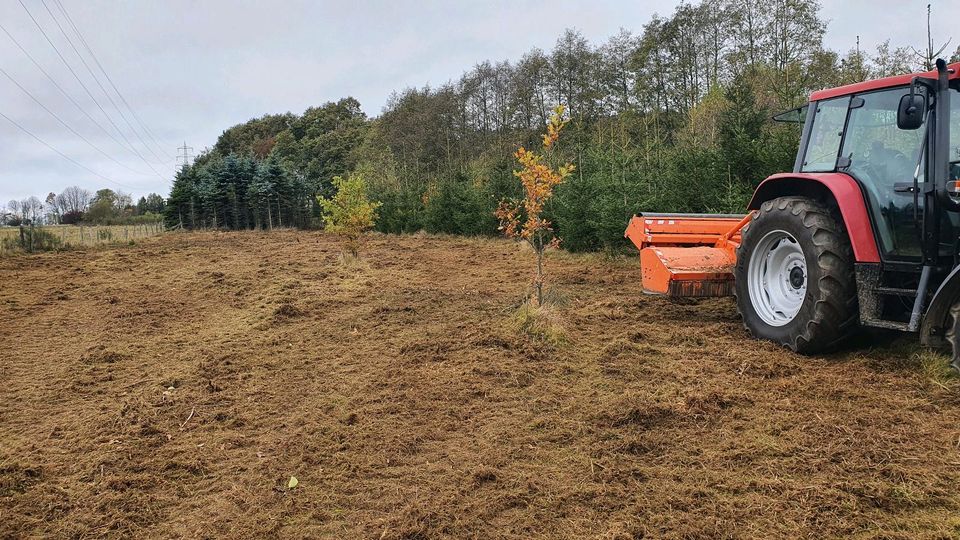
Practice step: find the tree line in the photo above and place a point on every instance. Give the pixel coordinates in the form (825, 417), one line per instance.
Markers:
(672, 117)
(269, 171)
(75, 205)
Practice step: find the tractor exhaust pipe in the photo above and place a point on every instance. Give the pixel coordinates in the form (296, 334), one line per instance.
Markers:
(941, 147)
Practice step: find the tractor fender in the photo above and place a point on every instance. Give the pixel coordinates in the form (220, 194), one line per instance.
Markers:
(832, 188)
(937, 317)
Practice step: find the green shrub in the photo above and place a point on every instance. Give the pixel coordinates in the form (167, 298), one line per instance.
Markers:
(401, 209)
(457, 206)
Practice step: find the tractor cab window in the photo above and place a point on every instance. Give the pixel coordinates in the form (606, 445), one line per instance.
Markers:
(950, 226)
(884, 159)
(825, 135)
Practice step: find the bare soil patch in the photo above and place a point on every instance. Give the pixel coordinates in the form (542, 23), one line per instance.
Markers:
(171, 389)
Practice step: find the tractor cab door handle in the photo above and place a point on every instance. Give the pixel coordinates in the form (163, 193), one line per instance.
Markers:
(905, 187)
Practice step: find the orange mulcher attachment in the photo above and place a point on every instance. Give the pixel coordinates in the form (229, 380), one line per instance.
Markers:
(687, 254)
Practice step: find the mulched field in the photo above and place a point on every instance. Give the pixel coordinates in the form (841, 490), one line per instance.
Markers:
(173, 388)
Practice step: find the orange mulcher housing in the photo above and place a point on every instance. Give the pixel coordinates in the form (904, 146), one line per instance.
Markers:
(687, 254)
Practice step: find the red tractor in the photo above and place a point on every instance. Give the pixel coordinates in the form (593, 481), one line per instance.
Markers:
(864, 232)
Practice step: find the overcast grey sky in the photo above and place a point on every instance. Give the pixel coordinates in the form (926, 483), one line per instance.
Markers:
(191, 69)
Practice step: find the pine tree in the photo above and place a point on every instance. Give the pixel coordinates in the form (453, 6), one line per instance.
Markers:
(181, 205)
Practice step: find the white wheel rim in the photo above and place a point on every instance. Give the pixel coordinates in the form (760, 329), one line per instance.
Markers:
(777, 278)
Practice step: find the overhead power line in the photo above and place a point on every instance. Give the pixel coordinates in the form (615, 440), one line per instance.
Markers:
(96, 79)
(84, 86)
(64, 156)
(136, 117)
(66, 125)
(64, 92)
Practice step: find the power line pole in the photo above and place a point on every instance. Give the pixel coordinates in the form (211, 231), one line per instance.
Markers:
(187, 156)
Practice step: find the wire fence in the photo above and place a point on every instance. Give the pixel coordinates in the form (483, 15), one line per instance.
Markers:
(53, 237)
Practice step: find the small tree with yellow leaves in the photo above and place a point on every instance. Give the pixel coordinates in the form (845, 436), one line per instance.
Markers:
(349, 213)
(523, 219)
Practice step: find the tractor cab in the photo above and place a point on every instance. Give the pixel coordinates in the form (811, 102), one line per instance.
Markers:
(855, 130)
(863, 134)
(898, 139)
(865, 231)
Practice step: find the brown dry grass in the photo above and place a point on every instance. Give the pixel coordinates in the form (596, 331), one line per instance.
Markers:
(171, 389)
(87, 236)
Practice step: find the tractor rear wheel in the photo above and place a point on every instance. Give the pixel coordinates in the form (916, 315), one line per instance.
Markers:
(795, 282)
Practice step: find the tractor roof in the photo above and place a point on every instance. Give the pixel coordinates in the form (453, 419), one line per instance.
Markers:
(877, 84)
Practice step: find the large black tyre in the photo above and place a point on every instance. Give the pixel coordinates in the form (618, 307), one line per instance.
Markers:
(795, 281)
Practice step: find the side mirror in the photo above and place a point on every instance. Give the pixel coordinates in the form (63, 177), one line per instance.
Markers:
(910, 112)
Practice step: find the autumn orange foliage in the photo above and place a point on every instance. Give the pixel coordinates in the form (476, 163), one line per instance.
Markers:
(523, 219)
